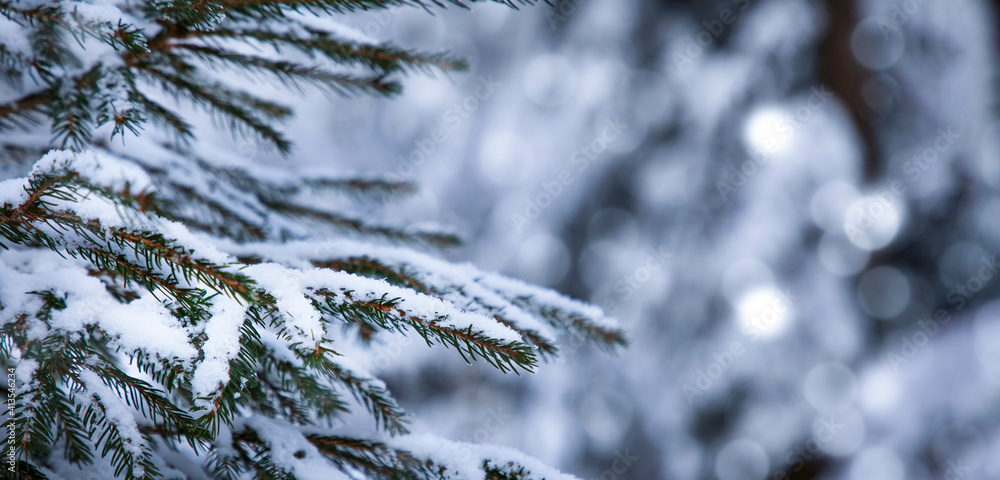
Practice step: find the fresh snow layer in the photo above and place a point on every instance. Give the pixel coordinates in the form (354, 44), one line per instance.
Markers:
(96, 167)
(330, 25)
(14, 38)
(143, 323)
(287, 440)
(222, 345)
(464, 460)
(288, 285)
(489, 289)
(12, 191)
(118, 414)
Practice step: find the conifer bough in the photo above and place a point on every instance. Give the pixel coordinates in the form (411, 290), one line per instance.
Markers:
(168, 317)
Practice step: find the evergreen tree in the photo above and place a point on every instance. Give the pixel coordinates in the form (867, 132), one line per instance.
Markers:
(165, 317)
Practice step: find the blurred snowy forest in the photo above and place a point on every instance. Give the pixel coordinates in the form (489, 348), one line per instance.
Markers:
(790, 205)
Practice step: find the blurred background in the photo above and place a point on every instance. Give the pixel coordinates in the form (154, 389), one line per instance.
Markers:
(790, 205)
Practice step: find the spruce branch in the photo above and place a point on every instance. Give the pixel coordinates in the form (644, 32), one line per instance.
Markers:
(343, 223)
(246, 355)
(371, 267)
(372, 457)
(292, 74)
(241, 111)
(384, 58)
(469, 343)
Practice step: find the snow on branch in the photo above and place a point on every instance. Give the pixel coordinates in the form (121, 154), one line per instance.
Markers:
(173, 311)
(222, 342)
(532, 311)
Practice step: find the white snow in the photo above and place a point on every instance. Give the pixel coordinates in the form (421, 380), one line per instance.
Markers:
(143, 323)
(12, 192)
(285, 441)
(287, 287)
(14, 38)
(97, 167)
(189, 240)
(488, 289)
(25, 371)
(118, 413)
(288, 284)
(96, 12)
(328, 24)
(464, 460)
(222, 345)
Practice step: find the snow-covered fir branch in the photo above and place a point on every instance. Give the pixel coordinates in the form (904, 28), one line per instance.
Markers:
(171, 314)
